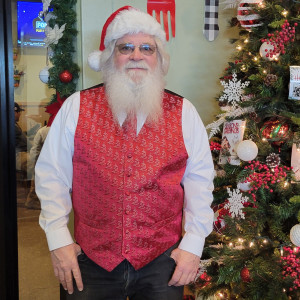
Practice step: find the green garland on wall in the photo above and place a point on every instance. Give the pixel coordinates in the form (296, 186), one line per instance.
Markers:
(64, 73)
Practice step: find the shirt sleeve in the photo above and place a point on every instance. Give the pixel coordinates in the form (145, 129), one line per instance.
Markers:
(54, 174)
(197, 182)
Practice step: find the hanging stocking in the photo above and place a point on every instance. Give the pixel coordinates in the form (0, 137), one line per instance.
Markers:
(211, 27)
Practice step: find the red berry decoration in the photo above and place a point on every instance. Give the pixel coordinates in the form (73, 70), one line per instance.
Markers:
(65, 76)
(245, 274)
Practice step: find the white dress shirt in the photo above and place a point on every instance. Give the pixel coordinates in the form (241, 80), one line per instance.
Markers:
(54, 173)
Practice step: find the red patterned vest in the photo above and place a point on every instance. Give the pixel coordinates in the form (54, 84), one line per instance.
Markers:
(127, 196)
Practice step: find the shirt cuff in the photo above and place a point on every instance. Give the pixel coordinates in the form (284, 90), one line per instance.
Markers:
(59, 238)
(192, 243)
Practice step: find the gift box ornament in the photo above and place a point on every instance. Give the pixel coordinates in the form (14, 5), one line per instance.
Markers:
(294, 90)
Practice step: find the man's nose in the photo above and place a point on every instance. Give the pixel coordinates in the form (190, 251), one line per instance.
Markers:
(136, 54)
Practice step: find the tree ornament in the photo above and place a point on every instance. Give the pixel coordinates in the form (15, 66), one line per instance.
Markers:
(44, 75)
(295, 235)
(277, 41)
(233, 90)
(275, 129)
(53, 35)
(268, 51)
(244, 186)
(235, 203)
(273, 160)
(270, 79)
(65, 76)
(245, 275)
(246, 16)
(294, 89)
(247, 150)
(219, 213)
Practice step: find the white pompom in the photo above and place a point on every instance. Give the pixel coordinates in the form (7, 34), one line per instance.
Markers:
(246, 150)
(94, 60)
(295, 235)
(44, 75)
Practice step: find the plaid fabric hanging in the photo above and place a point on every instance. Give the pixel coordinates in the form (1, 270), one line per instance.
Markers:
(211, 27)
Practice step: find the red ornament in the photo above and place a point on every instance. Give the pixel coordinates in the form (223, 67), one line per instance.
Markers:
(65, 76)
(275, 130)
(219, 213)
(203, 280)
(246, 16)
(245, 274)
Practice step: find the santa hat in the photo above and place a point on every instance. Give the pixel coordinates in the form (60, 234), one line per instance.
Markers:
(126, 20)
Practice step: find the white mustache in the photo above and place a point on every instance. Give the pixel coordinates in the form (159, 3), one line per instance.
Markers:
(136, 64)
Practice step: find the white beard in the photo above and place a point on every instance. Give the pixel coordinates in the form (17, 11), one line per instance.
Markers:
(135, 91)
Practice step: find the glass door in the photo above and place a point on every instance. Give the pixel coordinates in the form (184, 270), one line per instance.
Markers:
(31, 96)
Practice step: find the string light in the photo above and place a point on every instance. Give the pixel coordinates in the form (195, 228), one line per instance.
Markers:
(285, 13)
(243, 68)
(286, 184)
(255, 58)
(246, 41)
(230, 244)
(239, 48)
(251, 244)
(265, 72)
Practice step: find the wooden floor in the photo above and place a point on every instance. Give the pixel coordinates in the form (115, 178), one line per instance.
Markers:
(36, 278)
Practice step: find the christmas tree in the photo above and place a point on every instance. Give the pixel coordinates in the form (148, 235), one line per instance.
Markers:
(253, 252)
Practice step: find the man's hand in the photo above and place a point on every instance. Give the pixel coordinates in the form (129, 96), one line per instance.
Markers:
(64, 261)
(187, 265)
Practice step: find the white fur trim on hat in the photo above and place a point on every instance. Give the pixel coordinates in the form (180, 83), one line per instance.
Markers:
(127, 21)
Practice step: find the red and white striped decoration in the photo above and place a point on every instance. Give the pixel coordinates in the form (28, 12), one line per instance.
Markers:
(245, 14)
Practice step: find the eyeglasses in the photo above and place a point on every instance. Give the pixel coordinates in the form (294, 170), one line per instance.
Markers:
(145, 49)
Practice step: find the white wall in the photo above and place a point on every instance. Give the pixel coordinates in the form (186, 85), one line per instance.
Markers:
(196, 64)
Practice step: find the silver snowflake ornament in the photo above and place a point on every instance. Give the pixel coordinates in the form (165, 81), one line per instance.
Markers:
(233, 90)
(235, 203)
(53, 35)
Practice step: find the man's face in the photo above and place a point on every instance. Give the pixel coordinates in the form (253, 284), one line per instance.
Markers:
(17, 115)
(136, 56)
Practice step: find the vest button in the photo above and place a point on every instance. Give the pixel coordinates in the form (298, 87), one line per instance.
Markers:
(127, 193)
(129, 155)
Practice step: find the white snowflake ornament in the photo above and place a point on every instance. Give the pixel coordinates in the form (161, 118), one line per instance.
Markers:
(235, 203)
(46, 4)
(53, 35)
(233, 90)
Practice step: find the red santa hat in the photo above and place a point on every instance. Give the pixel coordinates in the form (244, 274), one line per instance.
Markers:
(126, 20)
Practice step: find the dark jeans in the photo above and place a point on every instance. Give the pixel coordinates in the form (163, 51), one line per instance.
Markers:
(147, 283)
